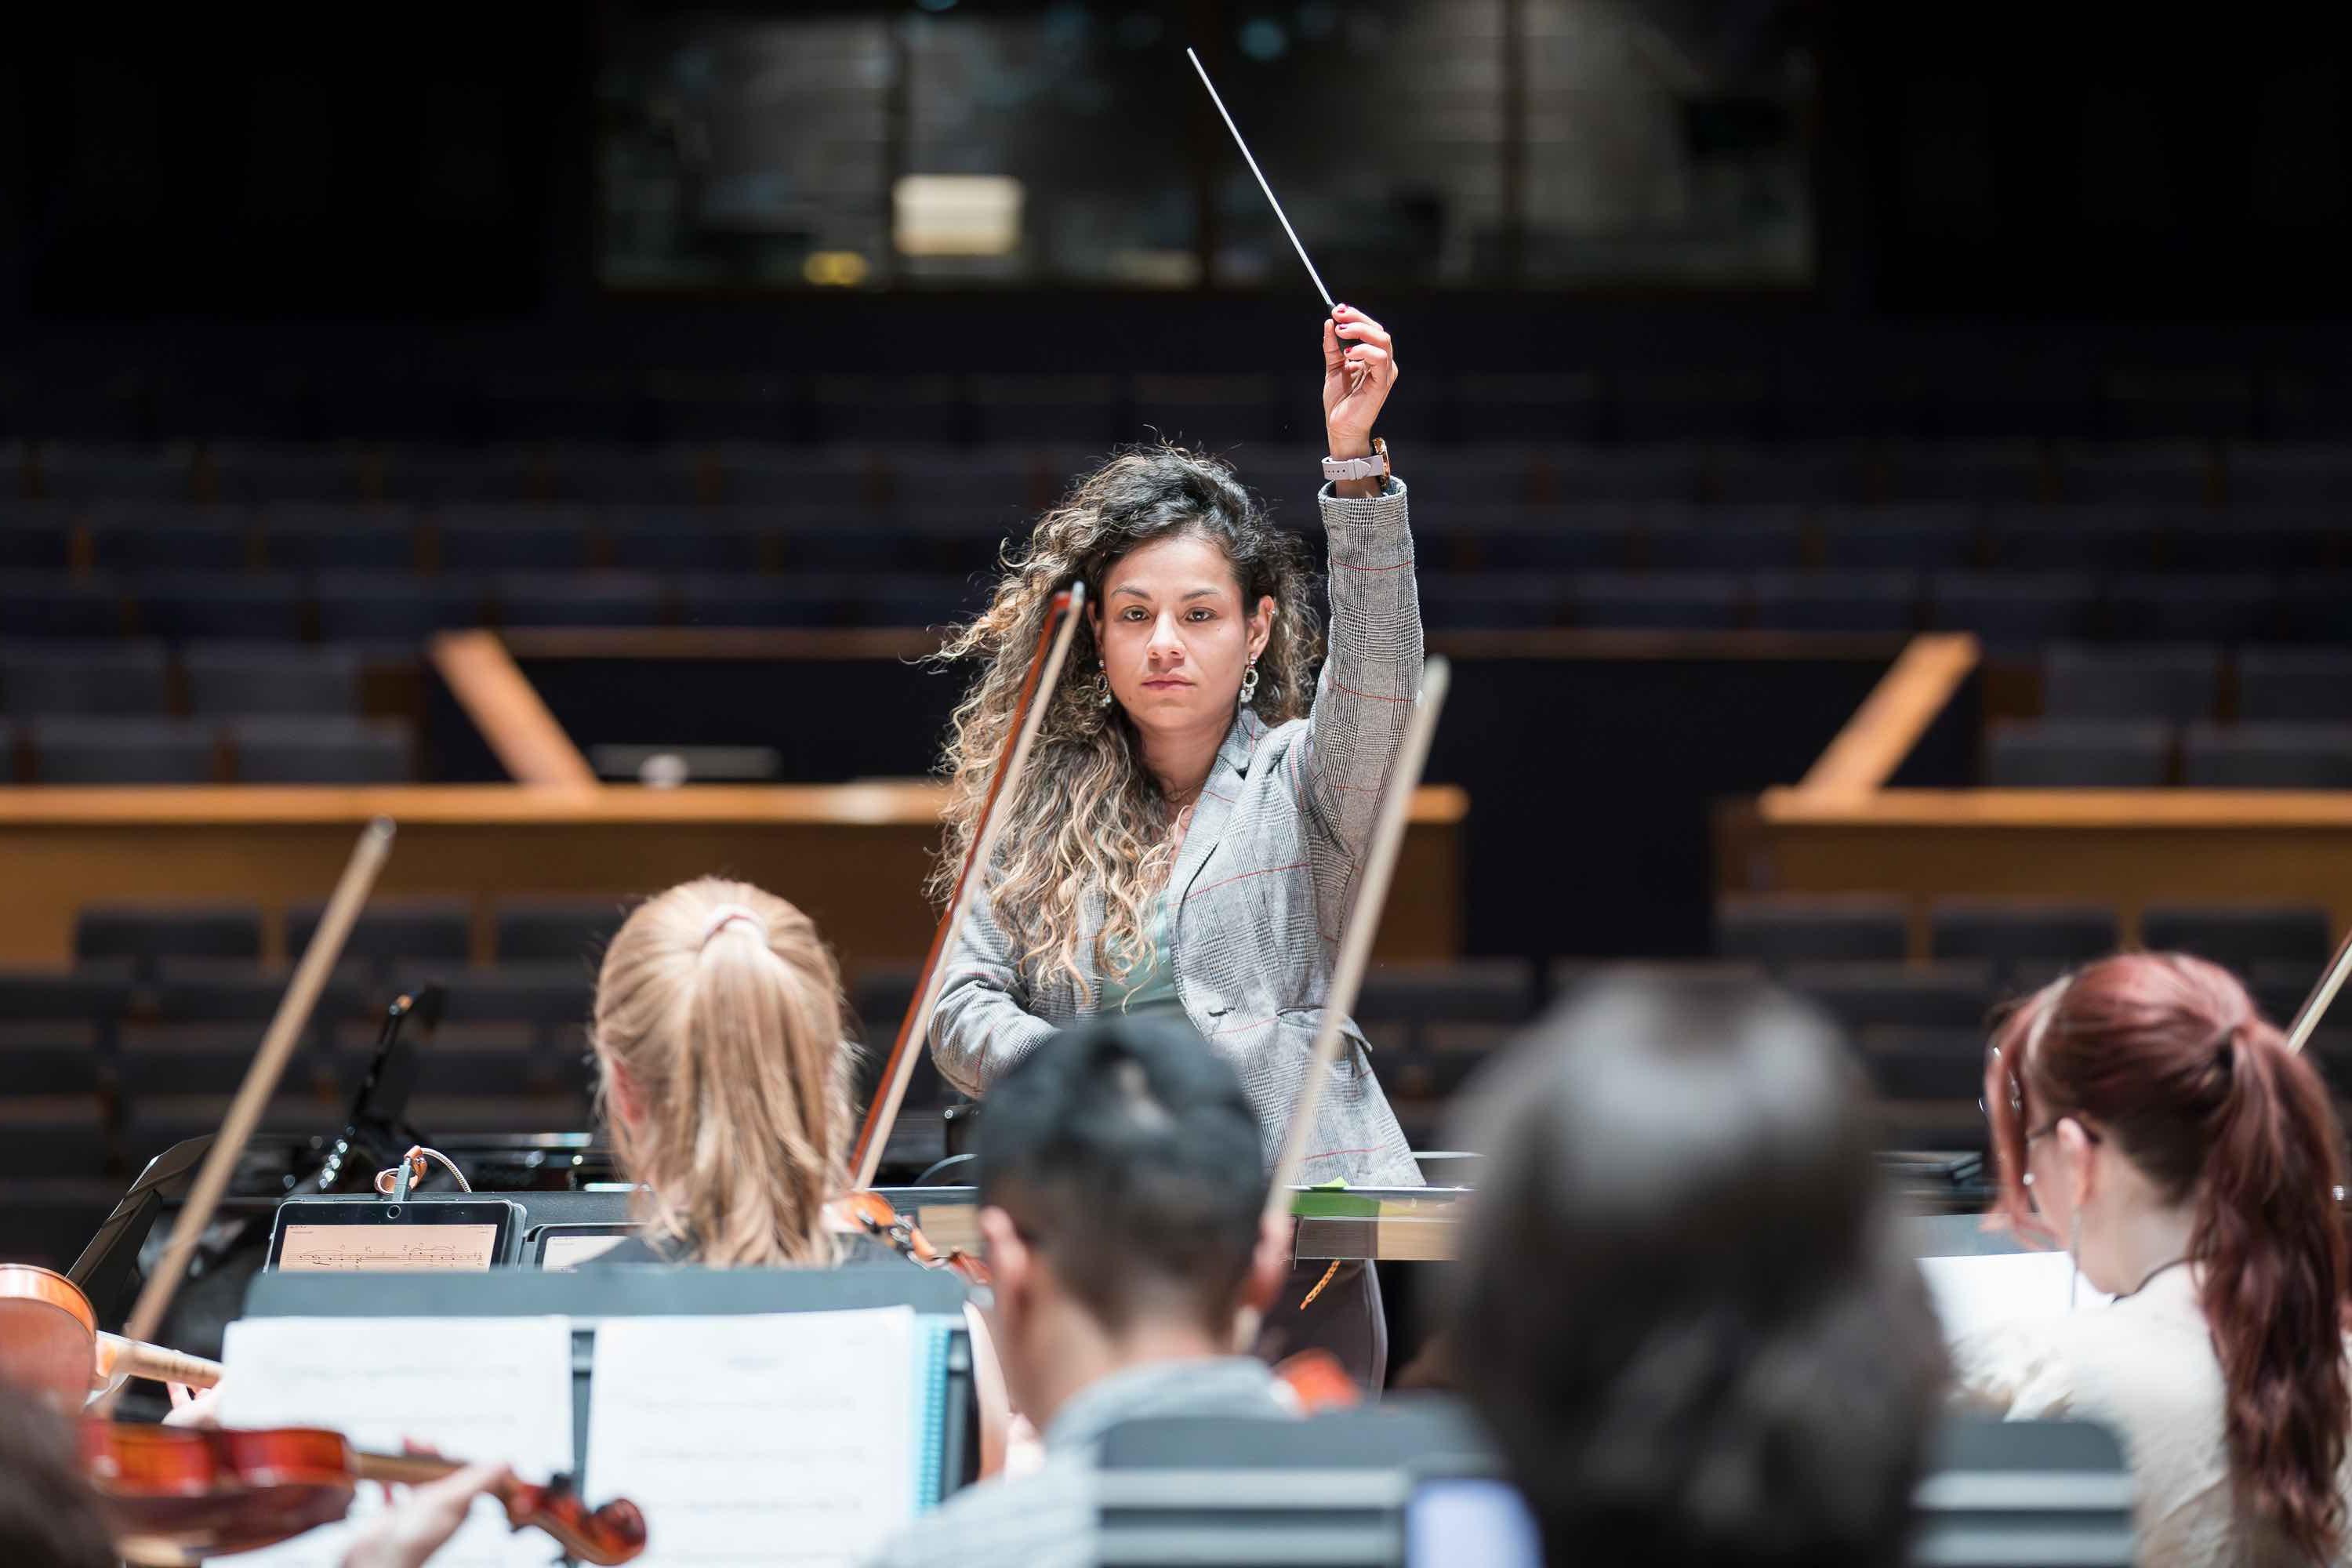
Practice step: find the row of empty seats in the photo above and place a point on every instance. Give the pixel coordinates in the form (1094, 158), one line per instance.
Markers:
(2119, 754)
(128, 675)
(1522, 447)
(938, 527)
(2185, 683)
(383, 610)
(318, 749)
(1779, 928)
(2009, 610)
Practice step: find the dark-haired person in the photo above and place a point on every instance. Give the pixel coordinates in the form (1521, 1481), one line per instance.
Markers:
(1120, 1191)
(1682, 1314)
(2147, 1117)
(1200, 799)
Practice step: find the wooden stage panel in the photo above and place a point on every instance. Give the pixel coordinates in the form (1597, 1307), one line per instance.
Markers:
(853, 856)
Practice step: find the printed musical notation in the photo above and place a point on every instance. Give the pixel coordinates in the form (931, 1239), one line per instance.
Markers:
(388, 1248)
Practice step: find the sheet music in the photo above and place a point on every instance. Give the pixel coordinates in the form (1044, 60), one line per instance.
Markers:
(1973, 1293)
(785, 1439)
(474, 1388)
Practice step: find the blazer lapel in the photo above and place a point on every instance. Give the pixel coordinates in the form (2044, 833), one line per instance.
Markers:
(1218, 795)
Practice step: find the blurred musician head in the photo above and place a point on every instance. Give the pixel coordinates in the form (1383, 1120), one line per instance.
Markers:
(1121, 1180)
(722, 1073)
(1193, 596)
(48, 1515)
(2146, 1115)
(1683, 1314)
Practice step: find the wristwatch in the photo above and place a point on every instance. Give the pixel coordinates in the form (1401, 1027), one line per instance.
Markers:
(1375, 467)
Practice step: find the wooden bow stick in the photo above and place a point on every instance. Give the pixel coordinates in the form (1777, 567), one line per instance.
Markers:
(261, 1078)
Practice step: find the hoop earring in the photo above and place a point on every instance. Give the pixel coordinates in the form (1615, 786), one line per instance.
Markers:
(1249, 682)
(1103, 697)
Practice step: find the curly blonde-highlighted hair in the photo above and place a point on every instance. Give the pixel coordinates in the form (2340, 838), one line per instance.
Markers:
(1092, 821)
(723, 1007)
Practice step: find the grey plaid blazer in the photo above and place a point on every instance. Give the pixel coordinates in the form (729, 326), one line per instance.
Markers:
(1267, 874)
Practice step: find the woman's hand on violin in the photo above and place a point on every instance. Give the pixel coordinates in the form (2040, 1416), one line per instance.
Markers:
(1359, 368)
(412, 1529)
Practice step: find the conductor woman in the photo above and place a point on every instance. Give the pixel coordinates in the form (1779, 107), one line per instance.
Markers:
(1200, 800)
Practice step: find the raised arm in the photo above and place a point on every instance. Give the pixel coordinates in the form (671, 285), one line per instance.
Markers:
(1372, 668)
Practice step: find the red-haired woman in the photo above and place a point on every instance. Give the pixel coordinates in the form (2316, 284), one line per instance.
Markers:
(2148, 1118)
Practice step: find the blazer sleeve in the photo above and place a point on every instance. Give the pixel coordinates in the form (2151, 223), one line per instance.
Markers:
(1371, 674)
(983, 1024)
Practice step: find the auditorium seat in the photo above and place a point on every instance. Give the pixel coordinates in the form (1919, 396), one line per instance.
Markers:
(1796, 473)
(35, 536)
(673, 540)
(2249, 538)
(2295, 684)
(1673, 601)
(1915, 538)
(1942, 1064)
(318, 538)
(1674, 539)
(82, 679)
(54, 1056)
(1559, 408)
(1490, 600)
(171, 539)
(300, 472)
(2174, 683)
(124, 471)
(1581, 538)
(252, 607)
(2014, 933)
(461, 476)
(763, 474)
(2293, 474)
(123, 752)
(2077, 755)
(2169, 473)
(579, 599)
(323, 748)
(218, 990)
(1836, 600)
(906, 600)
(394, 932)
(1043, 407)
(51, 1219)
(2206, 606)
(1648, 471)
(268, 678)
(511, 539)
(154, 1122)
(2266, 756)
(55, 605)
(747, 600)
(625, 474)
(2241, 936)
(1950, 993)
(1781, 929)
(1485, 991)
(2008, 609)
(1965, 472)
(394, 610)
(2308, 608)
(98, 989)
(59, 1136)
(2071, 539)
(142, 934)
(571, 931)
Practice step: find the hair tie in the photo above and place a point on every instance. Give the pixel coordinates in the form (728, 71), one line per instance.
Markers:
(726, 915)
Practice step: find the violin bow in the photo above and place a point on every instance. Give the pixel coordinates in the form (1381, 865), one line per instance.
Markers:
(2315, 1007)
(261, 1078)
(1363, 922)
(1038, 689)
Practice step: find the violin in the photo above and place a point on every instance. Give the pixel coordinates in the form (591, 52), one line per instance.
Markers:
(870, 1212)
(50, 1343)
(174, 1495)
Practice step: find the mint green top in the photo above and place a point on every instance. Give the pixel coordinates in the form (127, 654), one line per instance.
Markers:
(1150, 985)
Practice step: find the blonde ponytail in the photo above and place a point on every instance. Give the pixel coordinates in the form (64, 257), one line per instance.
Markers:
(723, 1009)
